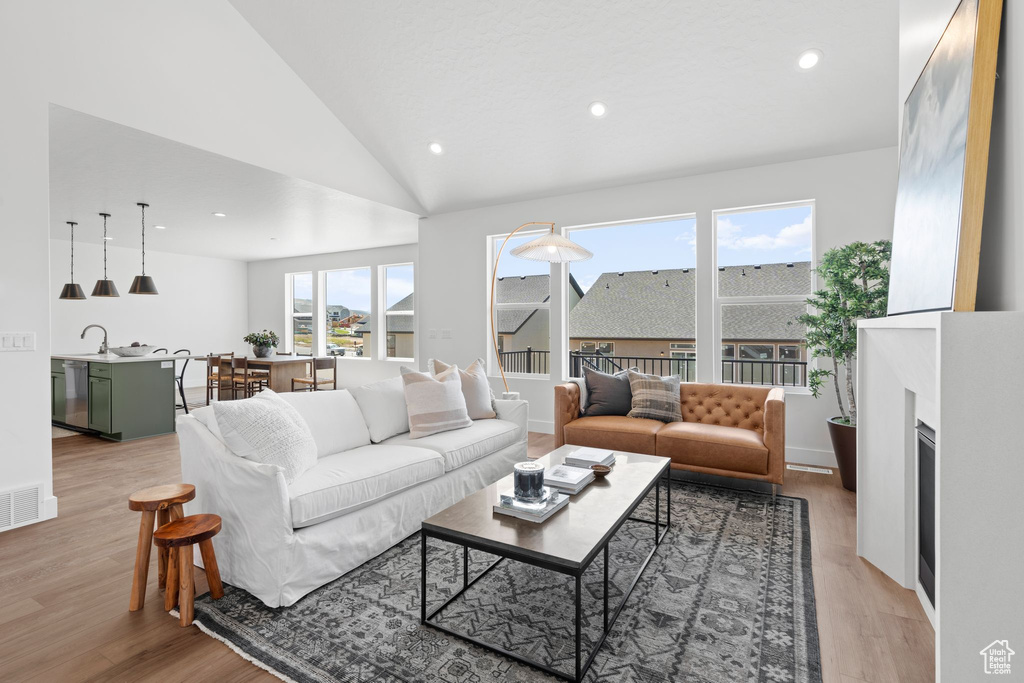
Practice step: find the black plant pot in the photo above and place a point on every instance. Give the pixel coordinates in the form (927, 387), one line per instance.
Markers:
(844, 444)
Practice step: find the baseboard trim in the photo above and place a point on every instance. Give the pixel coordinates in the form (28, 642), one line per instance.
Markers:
(542, 426)
(811, 456)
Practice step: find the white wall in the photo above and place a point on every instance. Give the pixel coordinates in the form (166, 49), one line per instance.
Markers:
(1000, 287)
(193, 71)
(202, 304)
(855, 195)
(267, 304)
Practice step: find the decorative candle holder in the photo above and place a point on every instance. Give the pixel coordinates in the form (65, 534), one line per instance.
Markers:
(528, 479)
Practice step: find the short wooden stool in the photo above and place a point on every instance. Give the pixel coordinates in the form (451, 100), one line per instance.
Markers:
(183, 534)
(162, 504)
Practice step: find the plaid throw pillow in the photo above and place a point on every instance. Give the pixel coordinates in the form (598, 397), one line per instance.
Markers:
(655, 398)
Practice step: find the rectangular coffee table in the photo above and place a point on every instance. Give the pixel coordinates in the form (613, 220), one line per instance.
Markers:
(567, 542)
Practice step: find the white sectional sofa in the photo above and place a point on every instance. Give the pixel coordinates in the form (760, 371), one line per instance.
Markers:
(281, 541)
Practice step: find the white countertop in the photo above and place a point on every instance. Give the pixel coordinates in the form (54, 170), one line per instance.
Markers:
(111, 358)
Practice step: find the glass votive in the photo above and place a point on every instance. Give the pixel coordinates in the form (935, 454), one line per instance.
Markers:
(528, 479)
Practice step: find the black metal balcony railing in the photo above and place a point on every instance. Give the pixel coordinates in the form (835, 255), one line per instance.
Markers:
(792, 373)
(528, 361)
(787, 373)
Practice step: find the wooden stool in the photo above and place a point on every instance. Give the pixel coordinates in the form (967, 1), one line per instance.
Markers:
(161, 503)
(182, 534)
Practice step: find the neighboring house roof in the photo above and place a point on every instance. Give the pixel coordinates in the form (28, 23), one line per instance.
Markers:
(306, 306)
(661, 304)
(397, 324)
(523, 289)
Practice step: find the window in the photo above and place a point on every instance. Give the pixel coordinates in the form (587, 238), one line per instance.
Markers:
(399, 315)
(299, 335)
(347, 312)
(635, 299)
(522, 316)
(763, 277)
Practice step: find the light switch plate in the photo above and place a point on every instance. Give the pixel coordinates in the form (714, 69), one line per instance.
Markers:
(446, 334)
(17, 341)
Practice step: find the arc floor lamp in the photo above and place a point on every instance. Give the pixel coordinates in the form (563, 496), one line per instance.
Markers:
(550, 247)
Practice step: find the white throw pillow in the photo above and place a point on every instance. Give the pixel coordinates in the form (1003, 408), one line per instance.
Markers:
(333, 417)
(436, 404)
(383, 407)
(266, 429)
(475, 388)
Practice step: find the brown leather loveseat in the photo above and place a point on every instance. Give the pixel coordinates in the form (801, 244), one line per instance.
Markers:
(731, 430)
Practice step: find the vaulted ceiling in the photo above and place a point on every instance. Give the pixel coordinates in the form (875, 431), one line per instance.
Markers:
(504, 87)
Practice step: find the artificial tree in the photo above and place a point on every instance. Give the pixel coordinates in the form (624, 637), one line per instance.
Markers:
(855, 285)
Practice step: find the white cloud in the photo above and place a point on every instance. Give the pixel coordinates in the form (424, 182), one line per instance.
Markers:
(730, 236)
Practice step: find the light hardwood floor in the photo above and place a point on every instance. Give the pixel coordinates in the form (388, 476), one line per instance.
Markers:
(64, 585)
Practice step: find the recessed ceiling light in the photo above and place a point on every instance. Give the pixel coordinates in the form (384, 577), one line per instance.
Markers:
(809, 58)
(272, 239)
(160, 227)
(435, 148)
(598, 109)
(218, 214)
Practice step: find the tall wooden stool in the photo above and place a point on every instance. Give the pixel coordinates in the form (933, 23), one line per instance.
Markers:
(183, 534)
(158, 503)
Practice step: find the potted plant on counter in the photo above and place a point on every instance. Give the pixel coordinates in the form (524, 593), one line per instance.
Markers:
(855, 285)
(262, 342)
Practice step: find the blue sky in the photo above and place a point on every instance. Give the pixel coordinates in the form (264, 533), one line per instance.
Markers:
(764, 236)
(351, 288)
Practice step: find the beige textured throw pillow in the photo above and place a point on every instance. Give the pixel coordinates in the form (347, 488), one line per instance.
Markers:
(655, 398)
(435, 404)
(475, 387)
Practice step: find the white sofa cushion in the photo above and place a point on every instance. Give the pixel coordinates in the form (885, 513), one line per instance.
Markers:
(344, 482)
(266, 429)
(383, 407)
(333, 417)
(462, 446)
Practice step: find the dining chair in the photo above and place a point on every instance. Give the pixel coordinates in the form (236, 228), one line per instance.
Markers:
(315, 381)
(179, 377)
(213, 372)
(247, 380)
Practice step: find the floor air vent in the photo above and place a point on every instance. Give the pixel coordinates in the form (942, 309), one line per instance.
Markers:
(19, 507)
(805, 468)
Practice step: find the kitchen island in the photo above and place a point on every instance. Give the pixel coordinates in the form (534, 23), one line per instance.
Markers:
(116, 398)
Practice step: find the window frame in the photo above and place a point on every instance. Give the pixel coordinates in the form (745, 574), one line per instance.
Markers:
(381, 315)
(290, 314)
(719, 301)
(321, 323)
(492, 360)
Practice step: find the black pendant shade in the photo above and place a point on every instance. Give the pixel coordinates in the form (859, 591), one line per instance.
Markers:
(143, 284)
(105, 287)
(71, 291)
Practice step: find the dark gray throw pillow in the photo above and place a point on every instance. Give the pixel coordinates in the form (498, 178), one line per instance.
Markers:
(607, 394)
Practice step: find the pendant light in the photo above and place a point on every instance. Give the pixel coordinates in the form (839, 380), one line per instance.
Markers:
(143, 284)
(71, 291)
(105, 287)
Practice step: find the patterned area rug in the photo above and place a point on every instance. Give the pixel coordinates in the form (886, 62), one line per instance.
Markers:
(728, 597)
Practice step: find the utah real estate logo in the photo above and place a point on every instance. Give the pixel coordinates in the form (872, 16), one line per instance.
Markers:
(997, 657)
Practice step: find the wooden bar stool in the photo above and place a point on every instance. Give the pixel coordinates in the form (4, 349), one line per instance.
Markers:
(157, 503)
(183, 534)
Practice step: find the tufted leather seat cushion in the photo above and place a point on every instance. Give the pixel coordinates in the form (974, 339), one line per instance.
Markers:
(713, 446)
(615, 432)
(724, 405)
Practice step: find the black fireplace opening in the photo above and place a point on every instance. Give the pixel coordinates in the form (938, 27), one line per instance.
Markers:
(926, 509)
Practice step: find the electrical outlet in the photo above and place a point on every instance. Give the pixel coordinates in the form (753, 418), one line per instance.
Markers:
(431, 334)
(446, 334)
(17, 341)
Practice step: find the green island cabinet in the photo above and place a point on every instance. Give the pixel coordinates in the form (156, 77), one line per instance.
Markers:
(125, 400)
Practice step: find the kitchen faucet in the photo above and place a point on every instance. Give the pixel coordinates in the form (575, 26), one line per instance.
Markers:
(103, 346)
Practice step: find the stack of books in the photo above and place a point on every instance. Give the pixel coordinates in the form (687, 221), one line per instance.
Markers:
(568, 479)
(532, 511)
(586, 456)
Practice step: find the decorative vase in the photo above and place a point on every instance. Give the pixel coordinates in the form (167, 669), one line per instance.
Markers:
(261, 351)
(844, 444)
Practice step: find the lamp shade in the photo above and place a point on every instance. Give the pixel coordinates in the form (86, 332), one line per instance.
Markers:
(105, 288)
(143, 284)
(553, 248)
(72, 291)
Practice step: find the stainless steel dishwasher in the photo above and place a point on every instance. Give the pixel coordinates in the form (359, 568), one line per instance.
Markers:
(76, 377)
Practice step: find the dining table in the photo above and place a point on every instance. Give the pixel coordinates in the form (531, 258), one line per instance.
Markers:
(282, 369)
